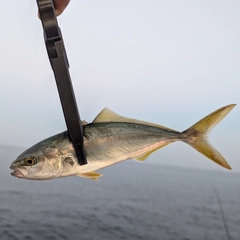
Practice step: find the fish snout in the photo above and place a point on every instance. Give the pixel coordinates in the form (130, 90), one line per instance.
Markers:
(16, 172)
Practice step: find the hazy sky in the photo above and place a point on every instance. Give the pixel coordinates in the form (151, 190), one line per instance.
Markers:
(169, 62)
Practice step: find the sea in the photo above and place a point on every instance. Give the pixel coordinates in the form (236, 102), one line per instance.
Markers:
(132, 201)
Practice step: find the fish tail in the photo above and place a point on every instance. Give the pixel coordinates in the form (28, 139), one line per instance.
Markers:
(197, 135)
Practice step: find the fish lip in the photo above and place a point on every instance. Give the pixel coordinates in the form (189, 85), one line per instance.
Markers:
(16, 172)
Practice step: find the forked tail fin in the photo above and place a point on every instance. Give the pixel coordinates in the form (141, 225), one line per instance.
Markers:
(196, 135)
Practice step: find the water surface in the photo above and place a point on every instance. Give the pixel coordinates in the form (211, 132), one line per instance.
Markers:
(131, 201)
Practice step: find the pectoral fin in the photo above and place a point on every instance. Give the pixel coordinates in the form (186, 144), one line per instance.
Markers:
(91, 175)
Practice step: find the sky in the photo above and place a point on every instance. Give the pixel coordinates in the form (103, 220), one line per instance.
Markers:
(168, 62)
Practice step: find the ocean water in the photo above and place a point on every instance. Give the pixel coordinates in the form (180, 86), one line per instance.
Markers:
(131, 201)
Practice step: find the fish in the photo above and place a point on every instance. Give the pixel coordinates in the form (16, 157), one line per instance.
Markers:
(109, 139)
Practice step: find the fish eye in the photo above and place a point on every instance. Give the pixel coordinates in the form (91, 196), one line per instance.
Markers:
(30, 160)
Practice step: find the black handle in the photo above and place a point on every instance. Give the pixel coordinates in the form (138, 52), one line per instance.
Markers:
(59, 62)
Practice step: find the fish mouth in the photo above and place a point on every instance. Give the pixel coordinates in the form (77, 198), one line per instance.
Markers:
(16, 172)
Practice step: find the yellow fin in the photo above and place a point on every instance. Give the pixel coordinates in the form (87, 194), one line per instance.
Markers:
(196, 136)
(143, 157)
(106, 115)
(84, 122)
(91, 175)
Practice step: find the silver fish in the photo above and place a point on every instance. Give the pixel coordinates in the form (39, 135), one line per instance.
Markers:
(110, 139)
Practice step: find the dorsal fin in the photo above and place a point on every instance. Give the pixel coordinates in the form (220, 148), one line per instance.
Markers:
(106, 115)
(84, 122)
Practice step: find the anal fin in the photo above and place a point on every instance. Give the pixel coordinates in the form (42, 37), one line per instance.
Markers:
(143, 157)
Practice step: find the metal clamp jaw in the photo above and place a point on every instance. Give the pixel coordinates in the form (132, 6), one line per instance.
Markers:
(59, 62)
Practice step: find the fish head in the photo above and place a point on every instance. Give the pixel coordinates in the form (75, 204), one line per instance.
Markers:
(43, 161)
